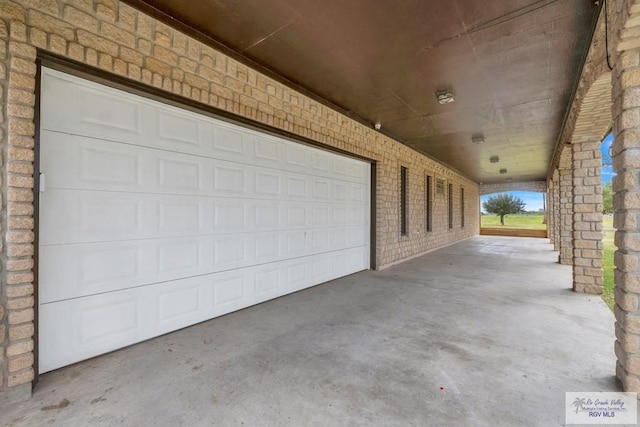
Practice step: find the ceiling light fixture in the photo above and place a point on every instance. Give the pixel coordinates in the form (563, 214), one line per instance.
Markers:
(477, 138)
(503, 171)
(445, 97)
(494, 159)
(377, 126)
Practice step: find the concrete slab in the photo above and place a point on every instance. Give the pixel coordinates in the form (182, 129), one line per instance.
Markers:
(484, 332)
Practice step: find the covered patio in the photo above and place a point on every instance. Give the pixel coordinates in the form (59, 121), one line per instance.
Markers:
(484, 332)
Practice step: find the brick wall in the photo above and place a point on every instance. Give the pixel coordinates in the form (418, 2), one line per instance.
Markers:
(625, 34)
(116, 38)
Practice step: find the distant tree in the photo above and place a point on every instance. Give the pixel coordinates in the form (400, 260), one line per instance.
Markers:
(503, 204)
(607, 198)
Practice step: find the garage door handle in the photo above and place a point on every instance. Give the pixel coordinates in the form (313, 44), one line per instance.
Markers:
(42, 183)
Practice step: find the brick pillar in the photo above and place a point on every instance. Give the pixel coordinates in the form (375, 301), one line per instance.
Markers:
(587, 217)
(3, 132)
(626, 202)
(17, 358)
(549, 213)
(556, 210)
(566, 207)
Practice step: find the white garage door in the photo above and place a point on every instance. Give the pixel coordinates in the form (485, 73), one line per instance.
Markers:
(153, 218)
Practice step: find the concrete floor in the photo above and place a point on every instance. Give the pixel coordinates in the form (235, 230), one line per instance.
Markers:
(484, 332)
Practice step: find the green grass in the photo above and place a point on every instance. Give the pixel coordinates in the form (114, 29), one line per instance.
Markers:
(522, 221)
(607, 262)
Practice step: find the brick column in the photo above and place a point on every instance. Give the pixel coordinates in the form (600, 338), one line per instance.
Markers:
(18, 222)
(549, 213)
(4, 35)
(626, 201)
(556, 210)
(587, 217)
(566, 207)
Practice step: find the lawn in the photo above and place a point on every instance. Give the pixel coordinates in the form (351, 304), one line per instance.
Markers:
(607, 262)
(529, 221)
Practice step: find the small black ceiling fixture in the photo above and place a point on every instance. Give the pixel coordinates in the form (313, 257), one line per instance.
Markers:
(503, 171)
(477, 138)
(494, 159)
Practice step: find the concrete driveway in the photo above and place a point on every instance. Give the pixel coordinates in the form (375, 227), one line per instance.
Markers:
(484, 332)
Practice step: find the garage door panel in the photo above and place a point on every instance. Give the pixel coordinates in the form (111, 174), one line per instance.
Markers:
(110, 266)
(182, 175)
(229, 252)
(268, 216)
(339, 265)
(320, 240)
(356, 236)
(296, 243)
(297, 187)
(357, 215)
(113, 319)
(268, 247)
(179, 130)
(86, 327)
(156, 125)
(80, 270)
(268, 152)
(320, 215)
(183, 216)
(340, 167)
(320, 269)
(229, 291)
(297, 275)
(151, 124)
(180, 306)
(231, 179)
(268, 283)
(268, 183)
(165, 218)
(82, 163)
(339, 237)
(320, 189)
(297, 158)
(181, 257)
(84, 107)
(357, 193)
(297, 216)
(339, 215)
(87, 216)
(231, 141)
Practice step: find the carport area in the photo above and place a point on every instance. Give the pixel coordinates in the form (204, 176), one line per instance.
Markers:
(483, 332)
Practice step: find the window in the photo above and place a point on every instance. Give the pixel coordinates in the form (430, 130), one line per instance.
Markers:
(461, 207)
(428, 199)
(439, 186)
(450, 203)
(403, 200)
